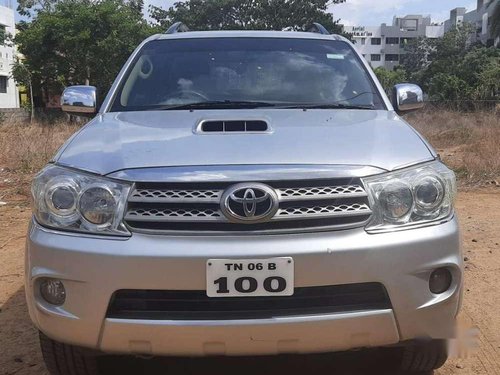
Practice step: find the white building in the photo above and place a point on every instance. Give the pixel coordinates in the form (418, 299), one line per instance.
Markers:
(9, 95)
(383, 45)
(479, 18)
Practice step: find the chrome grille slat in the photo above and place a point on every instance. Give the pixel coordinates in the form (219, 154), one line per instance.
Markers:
(171, 195)
(213, 196)
(291, 213)
(322, 192)
(174, 215)
(299, 213)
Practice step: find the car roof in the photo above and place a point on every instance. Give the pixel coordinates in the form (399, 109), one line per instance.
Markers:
(248, 34)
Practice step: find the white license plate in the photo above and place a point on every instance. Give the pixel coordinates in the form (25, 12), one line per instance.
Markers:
(250, 277)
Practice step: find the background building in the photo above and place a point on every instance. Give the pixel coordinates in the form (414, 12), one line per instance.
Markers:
(383, 45)
(479, 18)
(9, 95)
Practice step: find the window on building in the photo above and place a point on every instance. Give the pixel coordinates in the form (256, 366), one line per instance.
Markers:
(375, 57)
(409, 24)
(363, 41)
(406, 41)
(3, 84)
(391, 40)
(376, 41)
(391, 57)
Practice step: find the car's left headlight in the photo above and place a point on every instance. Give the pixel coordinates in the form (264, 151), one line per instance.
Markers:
(412, 196)
(76, 201)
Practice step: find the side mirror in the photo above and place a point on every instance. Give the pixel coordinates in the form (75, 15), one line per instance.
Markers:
(407, 97)
(79, 100)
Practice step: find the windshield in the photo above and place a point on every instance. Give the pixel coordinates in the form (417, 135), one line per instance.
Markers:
(243, 72)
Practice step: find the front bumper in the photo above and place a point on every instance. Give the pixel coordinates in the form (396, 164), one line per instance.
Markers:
(94, 268)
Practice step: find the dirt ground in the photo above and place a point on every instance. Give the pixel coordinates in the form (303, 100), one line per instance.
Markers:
(479, 212)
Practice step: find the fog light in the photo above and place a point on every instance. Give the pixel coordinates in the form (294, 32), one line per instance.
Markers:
(53, 291)
(440, 281)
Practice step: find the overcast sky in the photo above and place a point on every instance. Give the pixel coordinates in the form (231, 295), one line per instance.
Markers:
(375, 12)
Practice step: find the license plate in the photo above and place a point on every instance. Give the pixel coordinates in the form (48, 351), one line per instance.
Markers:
(250, 277)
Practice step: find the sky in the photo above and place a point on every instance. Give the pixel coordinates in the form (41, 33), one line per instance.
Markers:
(374, 12)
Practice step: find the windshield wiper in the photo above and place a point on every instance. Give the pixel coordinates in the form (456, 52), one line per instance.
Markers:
(330, 106)
(215, 104)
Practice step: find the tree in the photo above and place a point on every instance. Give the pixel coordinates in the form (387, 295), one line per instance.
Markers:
(247, 14)
(79, 42)
(389, 78)
(28, 8)
(416, 57)
(22, 75)
(453, 68)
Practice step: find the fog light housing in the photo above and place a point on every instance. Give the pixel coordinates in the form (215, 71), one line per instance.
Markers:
(53, 291)
(440, 280)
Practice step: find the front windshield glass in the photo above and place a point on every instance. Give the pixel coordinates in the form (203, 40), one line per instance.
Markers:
(210, 72)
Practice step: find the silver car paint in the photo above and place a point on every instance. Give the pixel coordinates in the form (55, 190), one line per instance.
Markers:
(118, 141)
(129, 145)
(92, 269)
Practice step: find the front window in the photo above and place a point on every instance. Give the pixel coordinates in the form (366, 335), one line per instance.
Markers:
(211, 72)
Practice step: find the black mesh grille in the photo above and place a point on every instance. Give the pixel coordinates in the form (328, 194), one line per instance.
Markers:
(195, 305)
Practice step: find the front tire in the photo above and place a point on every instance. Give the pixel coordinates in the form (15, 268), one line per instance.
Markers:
(424, 356)
(63, 359)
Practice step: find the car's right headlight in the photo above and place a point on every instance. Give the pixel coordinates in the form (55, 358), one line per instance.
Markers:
(71, 200)
(413, 196)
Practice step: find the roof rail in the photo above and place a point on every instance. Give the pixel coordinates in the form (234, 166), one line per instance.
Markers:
(177, 27)
(318, 28)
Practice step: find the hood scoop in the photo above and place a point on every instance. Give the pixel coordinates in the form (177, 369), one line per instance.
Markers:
(232, 126)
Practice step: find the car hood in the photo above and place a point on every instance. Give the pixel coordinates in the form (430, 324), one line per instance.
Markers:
(118, 141)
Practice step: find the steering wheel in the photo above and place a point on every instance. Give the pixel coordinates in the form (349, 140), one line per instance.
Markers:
(186, 94)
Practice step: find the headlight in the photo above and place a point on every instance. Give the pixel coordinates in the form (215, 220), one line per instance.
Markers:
(413, 196)
(77, 201)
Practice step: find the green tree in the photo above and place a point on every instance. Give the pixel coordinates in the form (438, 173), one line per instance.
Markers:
(453, 68)
(80, 42)
(28, 8)
(444, 86)
(23, 76)
(247, 14)
(488, 87)
(416, 57)
(389, 78)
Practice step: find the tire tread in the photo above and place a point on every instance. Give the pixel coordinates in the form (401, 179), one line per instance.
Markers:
(64, 359)
(423, 357)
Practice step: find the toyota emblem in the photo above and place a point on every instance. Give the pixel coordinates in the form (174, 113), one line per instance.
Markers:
(249, 203)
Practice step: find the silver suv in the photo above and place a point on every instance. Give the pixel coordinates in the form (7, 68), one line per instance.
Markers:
(243, 193)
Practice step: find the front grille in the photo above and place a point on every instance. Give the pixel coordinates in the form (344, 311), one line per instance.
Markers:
(304, 205)
(195, 305)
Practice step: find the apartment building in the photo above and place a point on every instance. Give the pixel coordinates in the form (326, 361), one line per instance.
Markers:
(479, 18)
(383, 45)
(9, 95)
